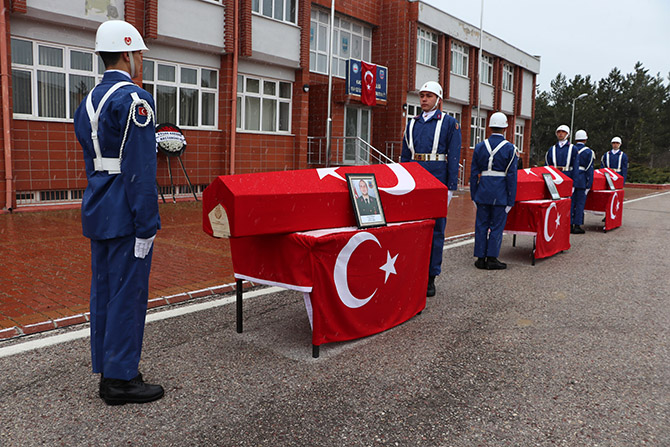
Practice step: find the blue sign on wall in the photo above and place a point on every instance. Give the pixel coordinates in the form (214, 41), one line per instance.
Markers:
(354, 82)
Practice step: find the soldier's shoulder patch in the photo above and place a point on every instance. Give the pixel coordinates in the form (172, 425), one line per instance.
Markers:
(142, 111)
(457, 126)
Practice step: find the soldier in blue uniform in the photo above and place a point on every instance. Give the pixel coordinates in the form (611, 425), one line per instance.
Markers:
(115, 126)
(493, 189)
(433, 139)
(616, 159)
(582, 181)
(562, 155)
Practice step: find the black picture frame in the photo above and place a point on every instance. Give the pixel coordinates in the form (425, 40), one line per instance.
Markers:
(610, 183)
(369, 213)
(551, 186)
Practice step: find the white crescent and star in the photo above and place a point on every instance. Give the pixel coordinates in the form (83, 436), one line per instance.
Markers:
(554, 174)
(613, 213)
(368, 84)
(546, 222)
(342, 263)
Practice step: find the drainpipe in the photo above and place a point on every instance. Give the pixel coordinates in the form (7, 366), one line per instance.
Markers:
(6, 124)
(233, 118)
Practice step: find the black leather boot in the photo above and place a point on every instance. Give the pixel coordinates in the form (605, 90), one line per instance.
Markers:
(495, 264)
(431, 286)
(119, 392)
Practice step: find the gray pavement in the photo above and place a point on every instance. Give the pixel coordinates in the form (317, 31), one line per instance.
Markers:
(573, 351)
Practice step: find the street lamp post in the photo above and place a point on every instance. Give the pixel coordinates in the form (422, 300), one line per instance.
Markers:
(572, 120)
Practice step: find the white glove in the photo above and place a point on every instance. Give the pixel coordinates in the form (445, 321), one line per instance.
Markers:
(587, 191)
(507, 208)
(475, 204)
(573, 191)
(450, 195)
(142, 246)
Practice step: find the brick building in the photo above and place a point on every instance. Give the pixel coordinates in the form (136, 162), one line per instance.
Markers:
(247, 83)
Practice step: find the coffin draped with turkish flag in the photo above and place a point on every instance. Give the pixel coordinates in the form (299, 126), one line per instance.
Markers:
(534, 211)
(601, 199)
(296, 229)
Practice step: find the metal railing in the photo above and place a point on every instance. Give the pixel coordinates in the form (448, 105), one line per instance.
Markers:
(345, 151)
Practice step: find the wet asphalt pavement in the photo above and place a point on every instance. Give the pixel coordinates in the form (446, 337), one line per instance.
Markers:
(574, 351)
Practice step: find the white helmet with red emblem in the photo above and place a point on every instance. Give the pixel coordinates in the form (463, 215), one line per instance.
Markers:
(118, 36)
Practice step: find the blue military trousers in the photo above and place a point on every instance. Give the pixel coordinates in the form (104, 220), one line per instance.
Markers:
(489, 226)
(437, 247)
(577, 206)
(119, 297)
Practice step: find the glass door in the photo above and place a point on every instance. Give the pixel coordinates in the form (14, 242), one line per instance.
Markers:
(356, 124)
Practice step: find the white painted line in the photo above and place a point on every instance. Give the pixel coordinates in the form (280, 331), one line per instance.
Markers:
(153, 316)
(459, 244)
(646, 197)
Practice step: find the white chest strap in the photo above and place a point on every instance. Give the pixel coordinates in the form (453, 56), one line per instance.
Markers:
(567, 162)
(490, 172)
(618, 168)
(113, 165)
(582, 168)
(436, 137)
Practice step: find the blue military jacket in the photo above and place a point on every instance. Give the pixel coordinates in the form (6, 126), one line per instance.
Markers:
(564, 158)
(584, 175)
(618, 162)
(449, 145)
(495, 185)
(116, 205)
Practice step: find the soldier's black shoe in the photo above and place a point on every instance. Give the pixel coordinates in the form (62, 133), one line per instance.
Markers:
(495, 264)
(480, 263)
(431, 286)
(576, 229)
(101, 391)
(119, 392)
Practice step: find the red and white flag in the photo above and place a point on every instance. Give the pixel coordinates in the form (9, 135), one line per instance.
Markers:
(368, 84)
(548, 219)
(359, 282)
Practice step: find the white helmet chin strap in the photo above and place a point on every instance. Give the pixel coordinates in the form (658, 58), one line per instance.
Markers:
(132, 65)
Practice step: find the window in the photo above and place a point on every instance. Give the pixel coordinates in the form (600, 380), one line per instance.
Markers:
(508, 78)
(284, 10)
(459, 59)
(185, 96)
(351, 40)
(518, 137)
(50, 81)
(487, 70)
(477, 133)
(456, 115)
(412, 111)
(426, 47)
(263, 105)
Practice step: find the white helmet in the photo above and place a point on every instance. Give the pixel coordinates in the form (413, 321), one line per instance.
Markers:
(616, 140)
(580, 135)
(118, 36)
(433, 87)
(499, 120)
(564, 128)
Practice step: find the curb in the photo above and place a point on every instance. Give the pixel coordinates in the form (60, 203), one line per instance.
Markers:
(49, 325)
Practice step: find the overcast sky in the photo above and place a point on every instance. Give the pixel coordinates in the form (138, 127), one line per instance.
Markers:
(587, 37)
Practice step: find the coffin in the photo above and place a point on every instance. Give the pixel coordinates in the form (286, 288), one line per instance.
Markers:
(531, 186)
(314, 199)
(600, 182)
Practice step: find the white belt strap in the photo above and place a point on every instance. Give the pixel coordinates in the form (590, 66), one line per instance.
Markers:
(436, 137)
(582, 168)
(490, 172)
(618, 168)
(567, 162)
(113, 165)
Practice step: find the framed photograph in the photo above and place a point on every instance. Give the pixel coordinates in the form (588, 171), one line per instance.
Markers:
(551, 186)
(365, 199)
(610, 183)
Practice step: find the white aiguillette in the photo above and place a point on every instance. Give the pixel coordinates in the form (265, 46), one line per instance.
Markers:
(219, 221)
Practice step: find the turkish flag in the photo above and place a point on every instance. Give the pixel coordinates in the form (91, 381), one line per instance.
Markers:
(609, 202)
(359, 282)
(549, 220)
(368, 84)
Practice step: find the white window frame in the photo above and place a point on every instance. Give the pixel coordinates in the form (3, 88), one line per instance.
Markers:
(486, 76)
(459, 59)
(261, 95)
(518, 137)
(152, 83)
(426, 47)
(95, 73)
(347, 34)
(508, 78)
(477, 135)
(279, 10)
(456, 115)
